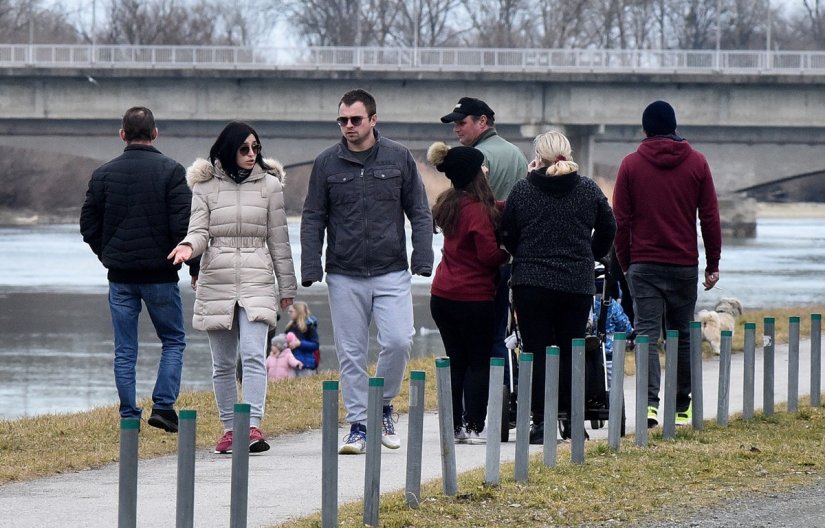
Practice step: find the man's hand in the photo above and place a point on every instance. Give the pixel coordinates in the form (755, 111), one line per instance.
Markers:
(710, 280)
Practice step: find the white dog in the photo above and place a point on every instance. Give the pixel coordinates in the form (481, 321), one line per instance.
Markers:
(723, 317)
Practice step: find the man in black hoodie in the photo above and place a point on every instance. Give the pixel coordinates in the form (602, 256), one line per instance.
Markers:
(136, 211)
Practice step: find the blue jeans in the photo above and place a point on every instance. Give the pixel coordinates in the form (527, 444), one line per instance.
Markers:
(166, 311)
(666, 294)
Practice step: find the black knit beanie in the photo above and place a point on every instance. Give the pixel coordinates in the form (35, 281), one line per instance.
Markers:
(659, 119)
(461, 165)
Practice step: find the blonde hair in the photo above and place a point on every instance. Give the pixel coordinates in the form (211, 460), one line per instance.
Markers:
(554, 152)
(302, 314)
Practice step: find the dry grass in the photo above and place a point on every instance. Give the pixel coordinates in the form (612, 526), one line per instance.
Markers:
(667, 479)
(90, 439)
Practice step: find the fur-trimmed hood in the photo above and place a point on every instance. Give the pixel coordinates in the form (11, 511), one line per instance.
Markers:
(202, 170)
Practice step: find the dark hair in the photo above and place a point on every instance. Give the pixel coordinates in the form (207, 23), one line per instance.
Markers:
(448, 205)
(225, 149)
(138, 124)
(362, 96)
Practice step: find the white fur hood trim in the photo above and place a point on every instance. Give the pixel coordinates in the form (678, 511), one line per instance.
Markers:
(201, 170)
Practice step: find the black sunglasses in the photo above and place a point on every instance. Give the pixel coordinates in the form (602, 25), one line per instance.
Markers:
(356, 120)
(244, 149)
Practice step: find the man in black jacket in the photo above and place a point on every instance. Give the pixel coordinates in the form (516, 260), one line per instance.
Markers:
(136, 211)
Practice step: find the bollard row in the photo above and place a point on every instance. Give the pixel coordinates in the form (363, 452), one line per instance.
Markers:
(576, 415)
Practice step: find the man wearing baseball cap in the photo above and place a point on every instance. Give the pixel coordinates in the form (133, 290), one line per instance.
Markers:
(474, 126)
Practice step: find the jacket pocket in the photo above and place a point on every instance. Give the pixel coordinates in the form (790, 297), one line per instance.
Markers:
(343, 188)
(386, 183)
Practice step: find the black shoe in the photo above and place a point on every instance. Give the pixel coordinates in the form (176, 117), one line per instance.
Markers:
(166, 419)
(564, 429)
(537, 433)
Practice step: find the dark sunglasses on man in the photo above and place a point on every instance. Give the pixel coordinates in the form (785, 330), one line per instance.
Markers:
(355, 120)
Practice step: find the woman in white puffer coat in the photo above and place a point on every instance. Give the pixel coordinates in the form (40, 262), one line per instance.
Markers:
(238, 225)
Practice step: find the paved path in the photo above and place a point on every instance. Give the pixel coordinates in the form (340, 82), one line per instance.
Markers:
(285, 482)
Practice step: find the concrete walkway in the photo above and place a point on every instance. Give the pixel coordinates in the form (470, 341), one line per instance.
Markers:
(285, 482)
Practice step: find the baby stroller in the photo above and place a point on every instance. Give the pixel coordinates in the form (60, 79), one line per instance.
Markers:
(596, 371)
(597, 396)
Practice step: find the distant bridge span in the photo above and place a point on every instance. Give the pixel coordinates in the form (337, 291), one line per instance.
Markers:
(757, 116)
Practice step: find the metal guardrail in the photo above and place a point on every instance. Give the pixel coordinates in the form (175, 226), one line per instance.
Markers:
(413, 59)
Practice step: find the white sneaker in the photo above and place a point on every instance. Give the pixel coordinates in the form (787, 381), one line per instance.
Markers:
(474, 438)
(355, 443)
(389, 438)
(461, 435)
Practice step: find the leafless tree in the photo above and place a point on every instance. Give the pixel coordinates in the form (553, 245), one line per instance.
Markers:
(178, 22)
(28, 21)
(815, 21)
(500, 23)
(427, 23)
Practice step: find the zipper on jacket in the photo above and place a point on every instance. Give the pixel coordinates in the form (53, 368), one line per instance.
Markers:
(238, 249)
(366, 224)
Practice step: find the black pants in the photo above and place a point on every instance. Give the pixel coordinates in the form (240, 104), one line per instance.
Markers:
(549, 317)
(467, 331)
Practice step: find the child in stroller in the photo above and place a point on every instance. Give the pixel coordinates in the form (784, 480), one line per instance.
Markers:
(600, 329)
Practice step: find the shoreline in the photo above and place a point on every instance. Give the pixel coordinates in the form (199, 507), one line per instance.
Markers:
(27, 217)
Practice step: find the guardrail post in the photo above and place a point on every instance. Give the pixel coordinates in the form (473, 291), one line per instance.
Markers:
(128, 472)
(187, 433)
(696, 387)
(768, 343)
(671, 373)
(551, 404)
(492, 462)
(816, 358)
(415, 438)
(449, 477)
(577, 381)
(750, 371)
(329, 455)
(642, 342)
(793, 364)
(240, 467)
(614, 421)
(525, 388)
(372, 470)
(723, 406)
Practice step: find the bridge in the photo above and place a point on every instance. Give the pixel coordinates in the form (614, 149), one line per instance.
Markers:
(758, 116)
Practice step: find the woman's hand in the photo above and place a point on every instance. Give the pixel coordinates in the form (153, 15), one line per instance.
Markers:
(194, 282)
(286, 302)
(181, 253)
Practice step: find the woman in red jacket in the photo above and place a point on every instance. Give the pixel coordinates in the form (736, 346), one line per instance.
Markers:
(465, 282)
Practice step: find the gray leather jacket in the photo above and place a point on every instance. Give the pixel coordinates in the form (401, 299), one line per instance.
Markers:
(362, 209)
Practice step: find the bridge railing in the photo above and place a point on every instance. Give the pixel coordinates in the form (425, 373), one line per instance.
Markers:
(413, 59)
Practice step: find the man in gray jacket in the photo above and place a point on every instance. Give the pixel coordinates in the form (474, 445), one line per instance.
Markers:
(360, 191)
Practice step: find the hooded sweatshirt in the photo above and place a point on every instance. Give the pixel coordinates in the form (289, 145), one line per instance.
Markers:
(659, 190)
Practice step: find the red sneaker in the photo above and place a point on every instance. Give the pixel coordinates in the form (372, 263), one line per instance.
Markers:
(257, 442)
(224, 444)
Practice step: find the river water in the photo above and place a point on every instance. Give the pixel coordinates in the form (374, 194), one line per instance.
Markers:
(56, 336)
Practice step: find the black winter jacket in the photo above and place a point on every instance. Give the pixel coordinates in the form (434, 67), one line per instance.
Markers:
(136, 211)
(555, 227)
(361, 208)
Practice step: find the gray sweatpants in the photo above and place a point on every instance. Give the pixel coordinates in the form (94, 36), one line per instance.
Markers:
(247, 338)
(354, 302)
